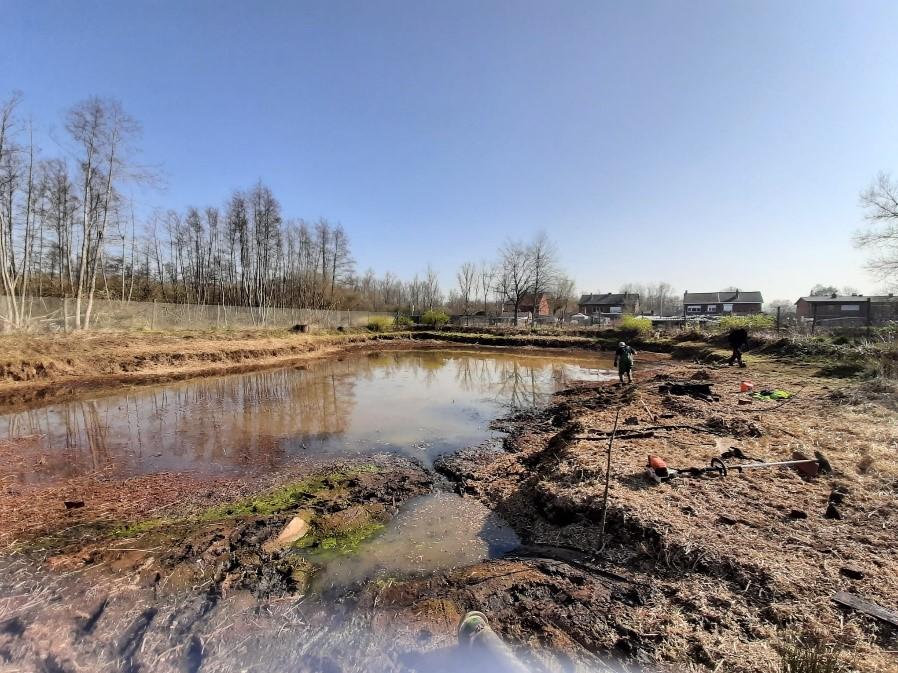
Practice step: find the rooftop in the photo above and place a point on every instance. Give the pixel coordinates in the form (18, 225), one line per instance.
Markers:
(723, 297)
(847, 299)
(607, 299)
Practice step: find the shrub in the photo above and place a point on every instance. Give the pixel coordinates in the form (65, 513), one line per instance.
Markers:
(756, 321)
(379, 323)
(404, 321)
(635, 324)
(435, 317)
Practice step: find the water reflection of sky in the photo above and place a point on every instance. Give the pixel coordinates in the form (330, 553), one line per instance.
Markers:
(420, 403)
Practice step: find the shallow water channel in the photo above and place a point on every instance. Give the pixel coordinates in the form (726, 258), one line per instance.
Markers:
(432, 532)
(418, 403)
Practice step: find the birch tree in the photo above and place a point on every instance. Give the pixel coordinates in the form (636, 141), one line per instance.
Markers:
(102, 133)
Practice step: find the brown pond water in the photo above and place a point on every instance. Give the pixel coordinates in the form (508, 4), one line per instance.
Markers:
(418, 403)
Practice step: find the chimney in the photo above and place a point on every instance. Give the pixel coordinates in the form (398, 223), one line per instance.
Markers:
(832, 296)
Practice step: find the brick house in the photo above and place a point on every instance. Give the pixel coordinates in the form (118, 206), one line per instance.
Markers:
(608, 305)
(848, 310)
(538, 305)
(728, 302)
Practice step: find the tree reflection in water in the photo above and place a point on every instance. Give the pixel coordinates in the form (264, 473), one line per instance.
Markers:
(417, 402)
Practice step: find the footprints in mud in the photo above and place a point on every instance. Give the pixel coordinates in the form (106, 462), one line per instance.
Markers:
(133, 639)
(90, 623)
(13, 626)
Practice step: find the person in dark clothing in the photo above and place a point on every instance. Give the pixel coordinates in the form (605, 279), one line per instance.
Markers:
(623, 360)
(738, 341)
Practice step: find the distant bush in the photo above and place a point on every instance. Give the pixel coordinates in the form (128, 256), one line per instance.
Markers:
(756, 321)
(634, 324)
(379, 323)
(404, 321)
(435, 318)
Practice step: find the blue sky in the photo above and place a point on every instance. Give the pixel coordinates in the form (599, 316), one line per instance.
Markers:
(706, 144)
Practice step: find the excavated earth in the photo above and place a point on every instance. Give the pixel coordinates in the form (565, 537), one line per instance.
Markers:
(722, 571)
(717, 573)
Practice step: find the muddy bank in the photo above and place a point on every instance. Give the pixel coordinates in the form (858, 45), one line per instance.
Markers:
(725, 570)
(236, 587)
(36, 369)
(153, 592)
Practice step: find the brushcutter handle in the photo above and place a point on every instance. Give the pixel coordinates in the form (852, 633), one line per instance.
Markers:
(717, 465)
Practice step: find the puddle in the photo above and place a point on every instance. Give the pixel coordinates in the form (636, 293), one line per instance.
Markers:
(434, 532)
(420, 403)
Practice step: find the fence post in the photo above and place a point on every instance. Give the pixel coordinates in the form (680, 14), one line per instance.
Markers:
(779, 310)
(869, 315)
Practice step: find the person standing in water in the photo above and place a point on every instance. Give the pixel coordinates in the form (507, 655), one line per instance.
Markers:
(623, 360)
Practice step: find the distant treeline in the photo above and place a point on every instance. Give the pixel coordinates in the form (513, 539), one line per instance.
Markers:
(68, 229)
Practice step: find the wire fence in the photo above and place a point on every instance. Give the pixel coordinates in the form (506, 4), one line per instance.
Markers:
(57, 314)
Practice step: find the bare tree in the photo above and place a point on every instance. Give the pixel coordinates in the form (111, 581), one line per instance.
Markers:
(823, 290)
(514, 276)
(562, 293)
(486, 288)
(102, 132)
(467, 286)
(16, 209)
(881, 203)
(543, 258)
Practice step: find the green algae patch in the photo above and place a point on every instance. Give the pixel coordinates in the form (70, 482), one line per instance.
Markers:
(349, 541)
(275, 501)
(285, 498)
(140, 527)
(342, 532)
(320, 548)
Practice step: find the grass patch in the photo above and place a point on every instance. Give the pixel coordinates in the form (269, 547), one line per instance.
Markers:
(380, 323)
(841, 370)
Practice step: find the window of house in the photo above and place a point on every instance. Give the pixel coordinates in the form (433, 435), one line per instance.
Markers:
(614, 309)
(712, 309)
(851, 307)
(693, 309)
(727, 308)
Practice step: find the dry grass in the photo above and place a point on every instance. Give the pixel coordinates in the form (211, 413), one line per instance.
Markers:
(736, 570)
